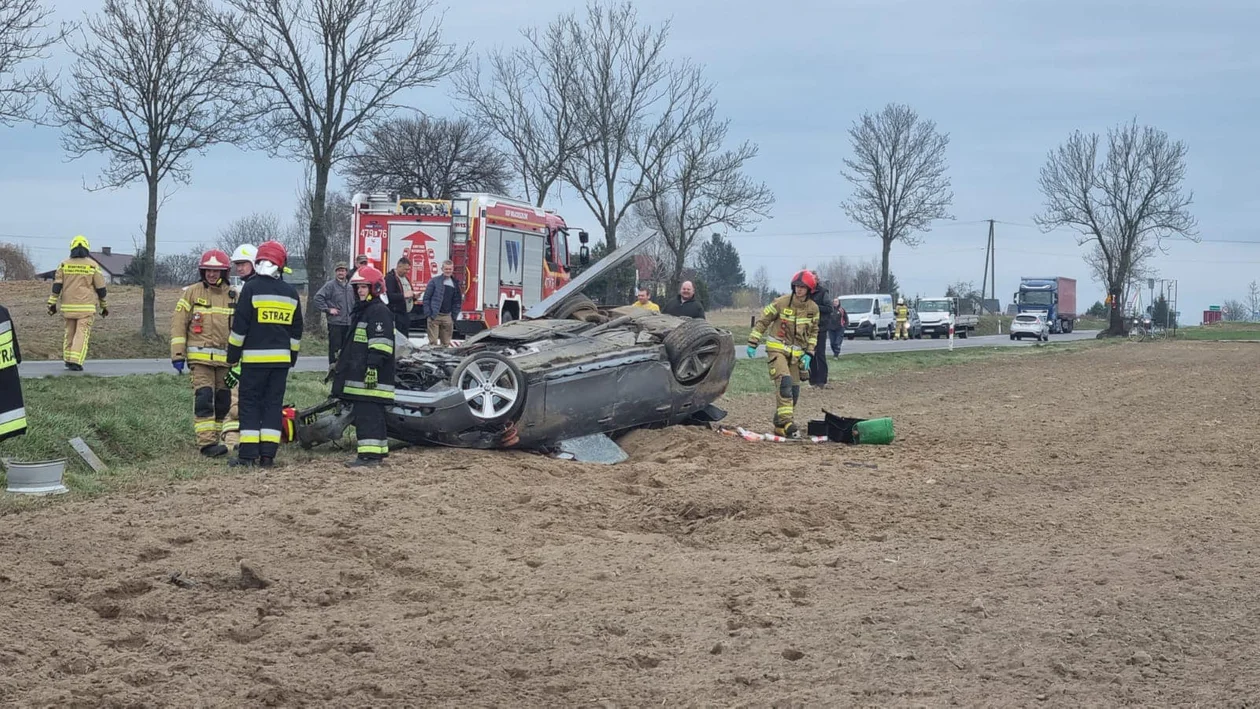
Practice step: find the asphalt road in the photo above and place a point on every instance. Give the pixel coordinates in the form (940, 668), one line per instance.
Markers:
(121, 367)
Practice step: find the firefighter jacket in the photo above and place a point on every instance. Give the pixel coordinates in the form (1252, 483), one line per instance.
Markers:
(12, 410)
(902, 313)
(79, 284)
(369, 345)
(201, 324)
(267, 324)
(796, 331)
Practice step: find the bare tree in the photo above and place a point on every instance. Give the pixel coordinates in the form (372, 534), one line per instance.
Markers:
(252, 229)
(149, 90)
(1234, 310)
(1253, 301)
(16, 263)
(529, 100)
(337, 221)
(1125, 202)
(22, 39)
(761, 284)
(319, 71)
(635, 107)
(701, 186)
(898, 174)
(428, 158)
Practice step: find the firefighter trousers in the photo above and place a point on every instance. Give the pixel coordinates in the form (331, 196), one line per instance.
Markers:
(903, 330)
(787, 380)
(369, 429)
(232, 420)
(262, 410)
(211, 401)
(74, 345)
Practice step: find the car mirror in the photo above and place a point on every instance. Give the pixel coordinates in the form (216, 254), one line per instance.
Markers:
(584, 255)
(583, 237)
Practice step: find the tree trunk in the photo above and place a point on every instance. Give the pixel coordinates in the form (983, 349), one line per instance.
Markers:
(1116, 326)
(883, 268)
(317, 246)
(610, 227)
(148, 323)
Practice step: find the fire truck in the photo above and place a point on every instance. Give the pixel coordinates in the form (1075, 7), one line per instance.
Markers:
(508, 254)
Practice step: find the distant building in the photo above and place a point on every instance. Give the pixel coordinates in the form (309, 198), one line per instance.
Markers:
(113, 266)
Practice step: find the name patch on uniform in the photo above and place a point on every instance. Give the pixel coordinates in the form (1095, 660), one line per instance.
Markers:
(7, 357)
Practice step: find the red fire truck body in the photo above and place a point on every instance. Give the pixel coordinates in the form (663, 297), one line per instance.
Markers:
(508, 255)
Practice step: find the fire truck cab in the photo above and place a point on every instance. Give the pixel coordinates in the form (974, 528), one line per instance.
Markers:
(507, 254)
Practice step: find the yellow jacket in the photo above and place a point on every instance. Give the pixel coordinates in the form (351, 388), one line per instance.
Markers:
(797, 333)
(202, 323)
(649, 306)
(79, 284)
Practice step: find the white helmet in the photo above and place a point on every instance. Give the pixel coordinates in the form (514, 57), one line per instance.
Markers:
(244, 252)
(901, 301)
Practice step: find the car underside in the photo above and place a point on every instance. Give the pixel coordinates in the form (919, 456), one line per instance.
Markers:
(533, 384)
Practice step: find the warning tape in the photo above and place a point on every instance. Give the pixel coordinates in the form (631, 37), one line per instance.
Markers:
(741, 432)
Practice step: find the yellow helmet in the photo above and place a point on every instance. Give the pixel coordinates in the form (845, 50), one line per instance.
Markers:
(80, 240)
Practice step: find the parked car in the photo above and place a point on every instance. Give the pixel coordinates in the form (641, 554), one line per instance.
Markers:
(534, 383)
(1030, 325)
(916, 325)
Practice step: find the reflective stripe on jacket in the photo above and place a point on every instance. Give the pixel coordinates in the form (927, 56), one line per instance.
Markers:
(208, 309)
(797, 332)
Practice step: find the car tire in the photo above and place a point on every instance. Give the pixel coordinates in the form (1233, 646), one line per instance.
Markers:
(574, 305)
(692, 347)
(1012, 337)
(479, 368)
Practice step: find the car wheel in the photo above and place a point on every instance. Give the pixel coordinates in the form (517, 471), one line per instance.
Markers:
(574, 305)
(493, 386)
(692, 348)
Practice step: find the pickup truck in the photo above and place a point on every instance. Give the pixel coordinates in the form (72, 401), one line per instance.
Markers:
(936, 315)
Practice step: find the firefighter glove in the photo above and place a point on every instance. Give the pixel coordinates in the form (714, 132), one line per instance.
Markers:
(178, 364)
(369, 379)
(805, 361)
(233, 376)
(104, 310)
(52, 305)
(752, 351)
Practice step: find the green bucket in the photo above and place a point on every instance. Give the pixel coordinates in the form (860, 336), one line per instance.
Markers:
(874, 431)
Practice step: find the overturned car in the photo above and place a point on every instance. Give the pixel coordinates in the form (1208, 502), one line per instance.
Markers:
(575, 372)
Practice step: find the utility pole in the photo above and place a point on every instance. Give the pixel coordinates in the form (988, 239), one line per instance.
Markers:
(990, 265)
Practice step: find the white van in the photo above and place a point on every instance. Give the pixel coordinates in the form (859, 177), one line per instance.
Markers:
(870, 314)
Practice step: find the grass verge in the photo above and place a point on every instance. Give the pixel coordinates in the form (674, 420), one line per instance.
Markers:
(141, 427)
(1220, 332)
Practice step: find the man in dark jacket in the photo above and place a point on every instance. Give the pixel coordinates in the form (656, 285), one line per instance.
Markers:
(263, 346)
(12, 410)
(335, 300)
(818, 364)
(398, 292)
(839, 321)
(365, 373)
(685, 305)
(443, 300)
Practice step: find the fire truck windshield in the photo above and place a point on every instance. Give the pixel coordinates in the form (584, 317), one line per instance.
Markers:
(561, 241)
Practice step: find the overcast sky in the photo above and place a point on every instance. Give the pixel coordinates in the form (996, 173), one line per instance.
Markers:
(1007, 80)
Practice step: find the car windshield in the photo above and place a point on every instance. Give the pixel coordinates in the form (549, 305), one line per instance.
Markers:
(1036, 298)
(857, 305)
(934, 306)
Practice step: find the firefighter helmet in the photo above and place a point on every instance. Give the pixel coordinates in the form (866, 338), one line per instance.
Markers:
(901, 301)
(807, 279)
(370, 276)
(214, 260)
(244, 252)
(273, 252)
(78, 241)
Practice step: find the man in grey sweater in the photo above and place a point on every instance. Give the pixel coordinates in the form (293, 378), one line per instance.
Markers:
(336, 300)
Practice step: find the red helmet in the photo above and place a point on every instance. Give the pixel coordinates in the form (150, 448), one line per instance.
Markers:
(274, 252)
(807, 279)
(372, 277)
(215, 260)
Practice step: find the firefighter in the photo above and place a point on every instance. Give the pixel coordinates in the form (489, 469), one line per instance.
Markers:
(199, 333)
(365, 371)
(262, 347)
(903, 320)
(789, 346)
(12, 410)
(243, 263)
(79, 285)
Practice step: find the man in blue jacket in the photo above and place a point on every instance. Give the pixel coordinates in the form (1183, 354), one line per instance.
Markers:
(443, 300)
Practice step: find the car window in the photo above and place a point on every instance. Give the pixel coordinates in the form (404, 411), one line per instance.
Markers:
(1027, 318)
